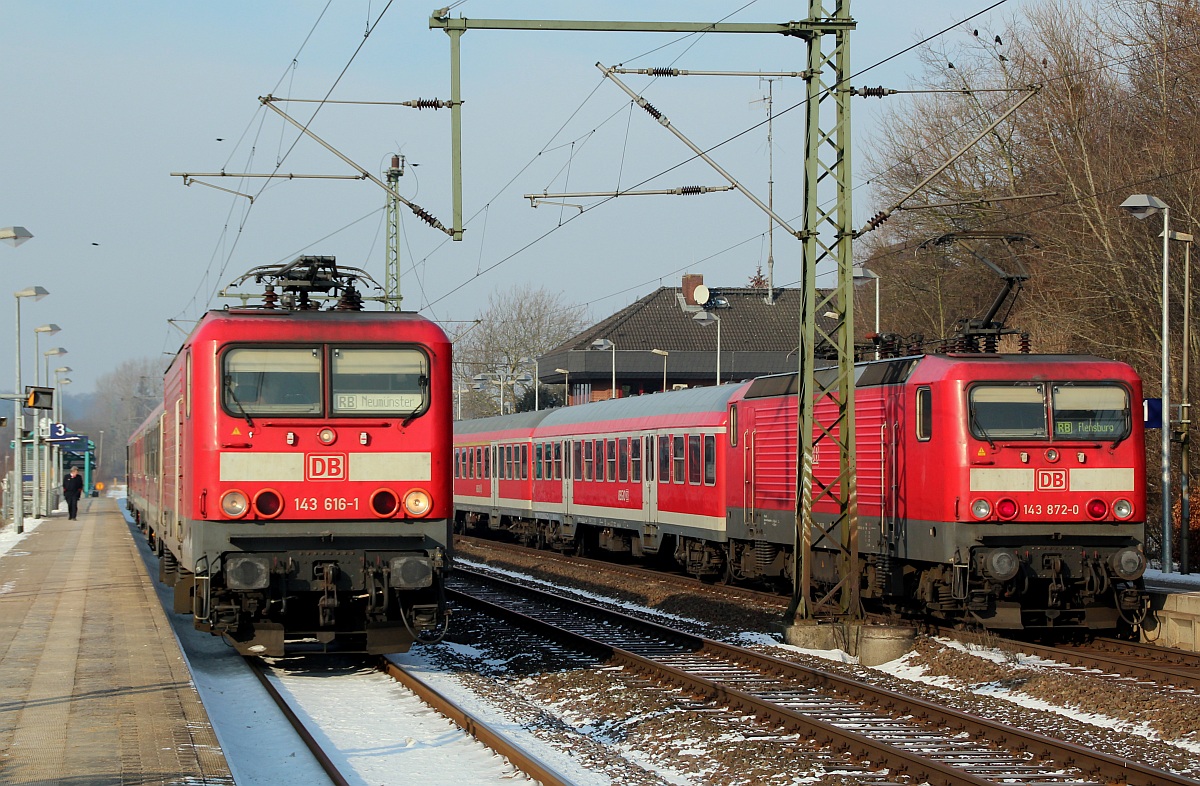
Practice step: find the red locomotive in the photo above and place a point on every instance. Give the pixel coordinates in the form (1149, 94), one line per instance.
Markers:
(296, 479)
(1007, 490)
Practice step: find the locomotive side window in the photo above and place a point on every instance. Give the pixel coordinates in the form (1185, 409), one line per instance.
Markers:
(924, 414)
(1090, 412)
(379, 381)
(272, 381)
(1007, 411)
(680, 458)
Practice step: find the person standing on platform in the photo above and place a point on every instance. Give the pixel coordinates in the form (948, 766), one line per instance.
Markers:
(72, 491)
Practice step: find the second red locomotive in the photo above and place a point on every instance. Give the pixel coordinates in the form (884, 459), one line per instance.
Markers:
(296, 478)
(1007, 490)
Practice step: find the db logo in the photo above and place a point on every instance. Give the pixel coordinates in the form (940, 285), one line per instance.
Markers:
(325, 466)
(1051, 480)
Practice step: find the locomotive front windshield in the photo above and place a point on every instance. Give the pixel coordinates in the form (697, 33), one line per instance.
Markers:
(273, 381)
(378, 381)
(285, 381)
(1073, 411)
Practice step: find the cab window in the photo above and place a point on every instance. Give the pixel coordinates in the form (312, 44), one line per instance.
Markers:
(377, 382)
(1090, 412)
(1007, 412)
(272, 381)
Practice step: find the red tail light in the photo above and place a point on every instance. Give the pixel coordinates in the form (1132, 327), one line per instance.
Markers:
(268, 504)
(1097, 508)
(1006, 509)
(384, 503)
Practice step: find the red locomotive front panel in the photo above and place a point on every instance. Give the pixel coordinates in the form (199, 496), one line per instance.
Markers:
(284, 450)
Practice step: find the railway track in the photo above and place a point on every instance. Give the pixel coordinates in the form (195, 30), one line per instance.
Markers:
(504, 746)
(915, 740)
(1129, 660)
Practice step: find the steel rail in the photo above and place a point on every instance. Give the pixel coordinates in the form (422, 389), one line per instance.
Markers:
(523, 760)
(1105, 767)
(335, 775)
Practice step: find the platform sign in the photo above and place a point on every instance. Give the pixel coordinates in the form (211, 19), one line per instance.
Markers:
(1152, 412)
(59, 431)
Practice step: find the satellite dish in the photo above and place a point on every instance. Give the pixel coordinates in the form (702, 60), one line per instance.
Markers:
(701, 294)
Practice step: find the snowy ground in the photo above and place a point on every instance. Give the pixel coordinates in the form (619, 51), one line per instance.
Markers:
(384, 735)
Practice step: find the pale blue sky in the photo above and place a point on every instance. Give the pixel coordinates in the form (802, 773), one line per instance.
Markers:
(104, 100)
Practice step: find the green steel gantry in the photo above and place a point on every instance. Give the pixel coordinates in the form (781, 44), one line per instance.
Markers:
(826, 400)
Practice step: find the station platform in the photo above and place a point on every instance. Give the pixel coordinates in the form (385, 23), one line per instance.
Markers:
(93, 686)
(1175, 607)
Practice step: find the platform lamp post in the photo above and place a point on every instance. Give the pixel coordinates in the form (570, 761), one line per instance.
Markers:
(706, 318)
(59, 382)
(15, 236)
(664, 354)
(37, 293)
(862, 274)
(1185, 405)
(603, 344)
(45, 446)
(1141, 206)
(566, 384)
(38, 467)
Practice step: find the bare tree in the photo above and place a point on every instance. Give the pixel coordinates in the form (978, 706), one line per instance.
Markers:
(501, 347)
(124, 398)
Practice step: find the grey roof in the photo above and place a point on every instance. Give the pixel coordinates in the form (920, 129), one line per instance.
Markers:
(661, 321)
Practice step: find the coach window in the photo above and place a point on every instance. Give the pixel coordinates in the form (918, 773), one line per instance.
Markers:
(483, 459)
(650, 458)
(1096, 412)
(272, 381)
(694, 459)
(1007, 412)
(664, 458)
(587, 459)
(611, 475)
(710, 460)
(524, 462)
(379, 381)
(558, 459)
(924, 414)
(623, 459)
(537, 461)
(680, 448)
(635, 459)
(458, 463)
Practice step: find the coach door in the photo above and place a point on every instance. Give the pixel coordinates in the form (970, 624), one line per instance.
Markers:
(650, 472)
(567, 469)
(493, 473)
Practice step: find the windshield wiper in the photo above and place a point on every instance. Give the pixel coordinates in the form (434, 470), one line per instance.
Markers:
(233, 397)
(979, 427)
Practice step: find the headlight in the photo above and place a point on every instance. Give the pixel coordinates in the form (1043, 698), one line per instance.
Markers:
(1001, 565)
(234, 504)
(981, 508)
(417, 503)
(1128, 564)
(244, 572)
(1122, 509)
(327, 436)
(411, 572)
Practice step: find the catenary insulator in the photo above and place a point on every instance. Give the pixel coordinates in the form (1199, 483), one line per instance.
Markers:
(690, 190)
(1026, 346)
(649, 107)
(872, 92)
(663, 71)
